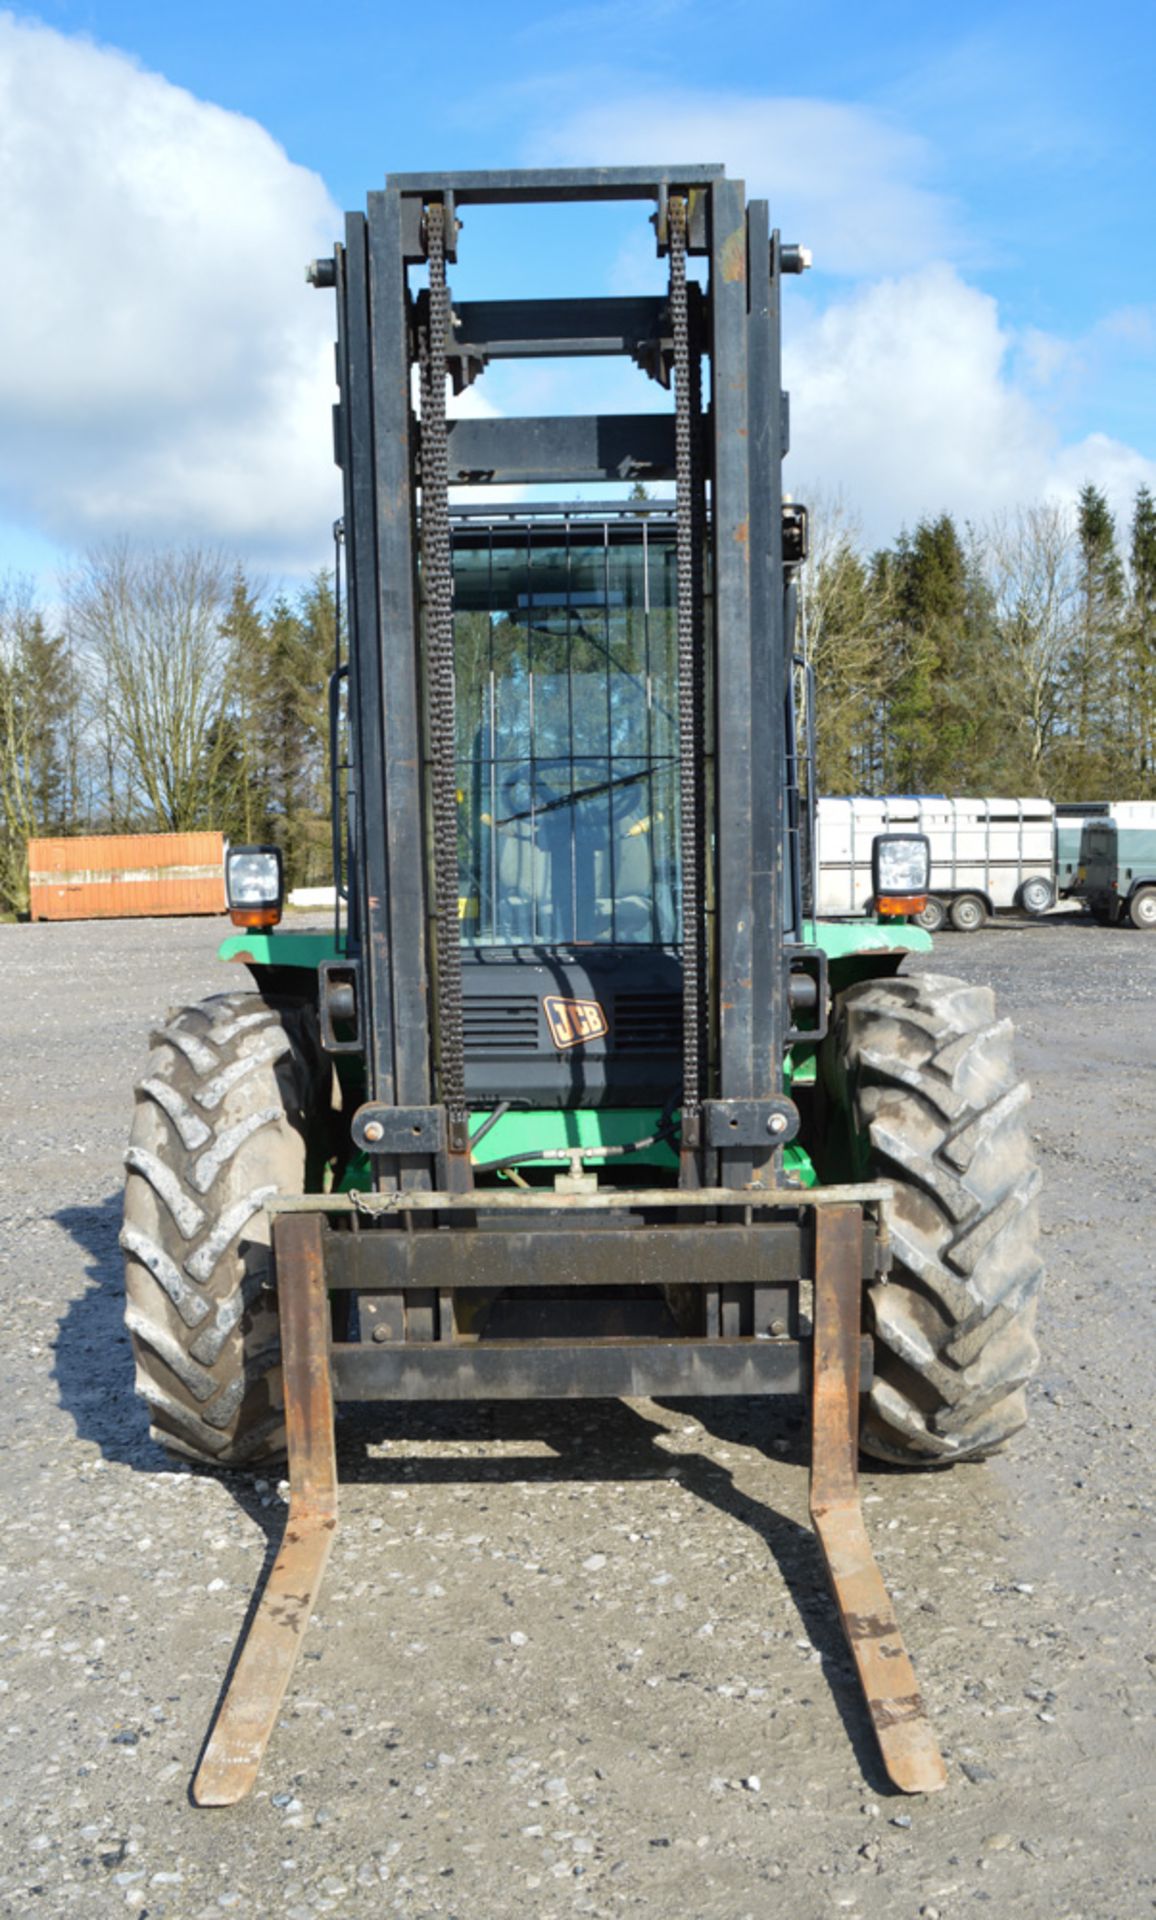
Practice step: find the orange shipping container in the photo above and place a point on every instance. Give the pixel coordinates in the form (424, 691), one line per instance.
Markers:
(120, 876)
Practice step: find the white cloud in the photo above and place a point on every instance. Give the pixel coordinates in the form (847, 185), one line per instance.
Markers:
(910, 393)
(843, 180)
(164, 369)
(165, 372)
(904, 400)
(1114, 466)
(899, 399)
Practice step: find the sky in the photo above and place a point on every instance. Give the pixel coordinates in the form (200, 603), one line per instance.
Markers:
(978, 332)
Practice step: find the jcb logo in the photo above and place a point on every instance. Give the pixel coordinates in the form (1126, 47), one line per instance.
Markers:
(573, 1021)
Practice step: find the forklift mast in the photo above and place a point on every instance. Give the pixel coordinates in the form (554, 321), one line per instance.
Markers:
(726, 951)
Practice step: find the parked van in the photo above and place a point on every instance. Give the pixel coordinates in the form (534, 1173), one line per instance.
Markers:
(1072, 816)
(1116, 875)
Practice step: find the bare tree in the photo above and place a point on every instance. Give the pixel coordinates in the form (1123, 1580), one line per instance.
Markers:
(1031, 559)
(841, 609)
(149, 627)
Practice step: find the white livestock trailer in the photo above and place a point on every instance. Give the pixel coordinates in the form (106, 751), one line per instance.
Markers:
(987, 856)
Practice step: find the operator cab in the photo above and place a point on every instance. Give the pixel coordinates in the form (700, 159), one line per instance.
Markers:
(565, 651)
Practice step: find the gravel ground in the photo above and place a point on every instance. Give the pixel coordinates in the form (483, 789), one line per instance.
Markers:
(575, 1659)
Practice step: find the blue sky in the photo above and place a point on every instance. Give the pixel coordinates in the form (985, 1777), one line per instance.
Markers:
(979, 331)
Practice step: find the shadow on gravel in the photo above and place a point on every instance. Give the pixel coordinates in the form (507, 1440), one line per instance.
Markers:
(93, 1365)
(600, 1440)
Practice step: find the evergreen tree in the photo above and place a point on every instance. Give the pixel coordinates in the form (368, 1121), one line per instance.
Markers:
(50, 693)
(245, 808)
(940, 729)
(292, 726)
(38, 714)
(906, 731)
(317, 612)
(1141, 641)
(1094, 753)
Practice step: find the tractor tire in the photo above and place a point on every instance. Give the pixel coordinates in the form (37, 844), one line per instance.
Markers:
(925, 1075)
(1142, 909)
(233, 1096)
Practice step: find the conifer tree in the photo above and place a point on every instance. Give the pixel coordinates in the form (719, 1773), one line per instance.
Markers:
(38, 710)
(939, 642)
(1141, 629)
(293, 727)
(1095, 754)
(244, 803)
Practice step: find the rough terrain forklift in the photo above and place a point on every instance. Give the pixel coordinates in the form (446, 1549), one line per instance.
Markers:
(577, 1099)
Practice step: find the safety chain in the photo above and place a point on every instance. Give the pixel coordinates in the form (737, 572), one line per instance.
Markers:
(438, 592)
(688, 575)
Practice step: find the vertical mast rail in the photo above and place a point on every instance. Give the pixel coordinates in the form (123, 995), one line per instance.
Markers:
(768, 670)
(396, 935)
(735, 771)
(369, 877)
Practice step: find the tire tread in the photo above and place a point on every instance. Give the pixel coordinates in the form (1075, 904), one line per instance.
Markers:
(199, 1308)
(929, 1073)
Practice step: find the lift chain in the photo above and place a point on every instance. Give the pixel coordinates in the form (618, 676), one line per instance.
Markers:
(698, 600)
(689, 673)
(438, 592)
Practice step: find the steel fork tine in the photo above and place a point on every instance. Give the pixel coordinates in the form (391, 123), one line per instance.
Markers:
(906, 1741)
(269, 1652)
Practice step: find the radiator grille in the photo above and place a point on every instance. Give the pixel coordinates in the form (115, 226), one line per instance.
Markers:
(510, 1023)
(501, 1023)
(647, 1022)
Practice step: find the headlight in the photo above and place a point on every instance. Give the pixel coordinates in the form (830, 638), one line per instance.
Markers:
(254, 885)
(900, 872)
